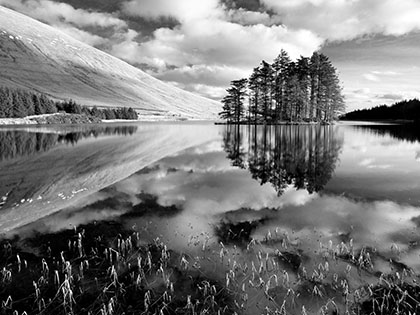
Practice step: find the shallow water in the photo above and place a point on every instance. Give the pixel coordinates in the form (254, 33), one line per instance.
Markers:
(272, 198)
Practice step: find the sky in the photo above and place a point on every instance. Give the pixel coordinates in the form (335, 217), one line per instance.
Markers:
(201, 45)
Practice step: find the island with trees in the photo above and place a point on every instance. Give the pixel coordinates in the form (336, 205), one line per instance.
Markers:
(20, 103)
(286, 91)
(407, 110)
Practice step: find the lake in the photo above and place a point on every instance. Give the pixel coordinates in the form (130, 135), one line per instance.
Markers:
(253, 220)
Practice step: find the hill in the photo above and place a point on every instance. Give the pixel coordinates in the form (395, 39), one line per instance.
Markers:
(38, 57)
(404, 110)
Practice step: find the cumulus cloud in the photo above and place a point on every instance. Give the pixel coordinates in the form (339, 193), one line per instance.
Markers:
(344, 20)
(54, 12)
(211, 42)
(245, 17)
(69, 19)
(183, 10)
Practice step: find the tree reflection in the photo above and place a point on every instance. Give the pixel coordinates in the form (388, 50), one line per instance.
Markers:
(302, 156)
(405, 132)
(16, 143)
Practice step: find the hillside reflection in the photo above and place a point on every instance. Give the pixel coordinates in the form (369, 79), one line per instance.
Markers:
(302, 156)
(17, 143)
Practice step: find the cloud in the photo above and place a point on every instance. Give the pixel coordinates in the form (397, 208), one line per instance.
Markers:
(386, 73)
(344, 20)
(245, 17)
(376, 74)
(83, 36)
(182, 10)
(371, 77)
(54, 12)
(394, 97)
(68, 19)
(211, 45)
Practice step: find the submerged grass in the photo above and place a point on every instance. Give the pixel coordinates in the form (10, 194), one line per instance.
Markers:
(93, 271)
(104, 269)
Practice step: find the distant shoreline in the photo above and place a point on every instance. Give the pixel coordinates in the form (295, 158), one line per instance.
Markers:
(48, 119)
(75, 119)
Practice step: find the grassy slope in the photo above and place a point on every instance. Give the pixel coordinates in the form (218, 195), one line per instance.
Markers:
(36, 56)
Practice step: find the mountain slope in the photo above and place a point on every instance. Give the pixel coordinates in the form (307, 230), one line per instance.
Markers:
(36, 56)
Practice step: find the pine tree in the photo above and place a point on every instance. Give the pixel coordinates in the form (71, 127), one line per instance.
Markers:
(265, 73)
(233, 102)
(280, 68)
(18, 110)
(254, 88)
(308, 89)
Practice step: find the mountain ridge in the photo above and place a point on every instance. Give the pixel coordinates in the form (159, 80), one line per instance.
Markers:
(35, 56)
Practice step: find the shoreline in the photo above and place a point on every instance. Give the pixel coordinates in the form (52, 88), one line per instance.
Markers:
(80, 119)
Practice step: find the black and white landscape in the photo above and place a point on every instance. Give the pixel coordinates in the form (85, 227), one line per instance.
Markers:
(209, 157)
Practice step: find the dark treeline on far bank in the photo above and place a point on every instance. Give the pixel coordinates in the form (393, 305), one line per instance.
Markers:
(18, 103)
(404, 110)
(307, 89)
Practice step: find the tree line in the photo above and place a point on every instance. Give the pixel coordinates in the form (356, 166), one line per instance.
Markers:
(19, 103)
(307, 89)
(403, 110)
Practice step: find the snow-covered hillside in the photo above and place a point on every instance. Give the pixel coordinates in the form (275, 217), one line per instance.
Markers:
(36, 56)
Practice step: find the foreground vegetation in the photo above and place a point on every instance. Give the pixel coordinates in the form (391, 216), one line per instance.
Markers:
(18, 103)
(105, 269)
(305, 90)
(405, 110)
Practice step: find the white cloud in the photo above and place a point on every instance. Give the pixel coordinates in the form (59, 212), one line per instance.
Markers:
(83, 36)
(59, 13)
(245, 17)
(211, 45)
(183, 10)
(386, 73)
(209, 91)
(371, 77)
(344, 20)
(68, 19)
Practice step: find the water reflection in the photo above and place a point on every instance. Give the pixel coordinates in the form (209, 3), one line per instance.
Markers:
(16, 143)
(302, 156)
(211, 208)
(35, 185)
(406, 132)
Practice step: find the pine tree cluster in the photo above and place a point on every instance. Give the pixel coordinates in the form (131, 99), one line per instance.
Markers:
(307, 89)
(19, 103)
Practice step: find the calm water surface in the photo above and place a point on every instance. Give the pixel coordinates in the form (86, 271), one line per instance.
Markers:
(224, 195)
